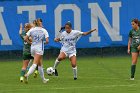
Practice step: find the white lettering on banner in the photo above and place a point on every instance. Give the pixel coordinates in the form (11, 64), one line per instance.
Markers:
(114, 31)
(58, 14)
(3, 31)
(31, 10)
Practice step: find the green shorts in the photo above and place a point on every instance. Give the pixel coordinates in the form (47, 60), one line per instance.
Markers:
(27, 57)
(134, 49)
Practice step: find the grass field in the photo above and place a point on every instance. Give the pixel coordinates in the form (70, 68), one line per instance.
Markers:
(95, 75)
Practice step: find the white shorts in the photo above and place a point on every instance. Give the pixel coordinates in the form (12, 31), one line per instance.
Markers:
(36, 50)
(69, 54)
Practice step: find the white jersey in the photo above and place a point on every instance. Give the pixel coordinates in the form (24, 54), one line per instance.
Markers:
(69, 40)
(38, 34)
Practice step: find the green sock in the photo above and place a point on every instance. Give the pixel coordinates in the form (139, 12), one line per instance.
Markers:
(133, 68)
(22, 73)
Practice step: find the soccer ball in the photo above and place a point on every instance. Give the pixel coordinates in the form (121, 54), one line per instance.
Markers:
(50, 71)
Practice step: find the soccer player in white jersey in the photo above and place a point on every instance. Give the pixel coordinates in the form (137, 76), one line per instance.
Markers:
(37, 49)
(69, 39)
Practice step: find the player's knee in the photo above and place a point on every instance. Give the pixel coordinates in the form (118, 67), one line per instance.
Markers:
(73, 65)
(23, 68)
(60, 58)
(134, 62)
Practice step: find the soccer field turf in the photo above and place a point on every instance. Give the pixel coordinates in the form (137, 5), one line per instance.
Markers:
(95, 75)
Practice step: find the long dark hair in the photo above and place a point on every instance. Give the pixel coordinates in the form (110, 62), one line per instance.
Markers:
(63, 27)
(135, 20)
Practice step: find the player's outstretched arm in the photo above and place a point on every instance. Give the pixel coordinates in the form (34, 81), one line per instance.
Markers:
(20, 29)
(57, 39)
(89, 32)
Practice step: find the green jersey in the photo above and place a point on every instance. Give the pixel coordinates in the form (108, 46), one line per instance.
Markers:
(26, 46)
(135, 35)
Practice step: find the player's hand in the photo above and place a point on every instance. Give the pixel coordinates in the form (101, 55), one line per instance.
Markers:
(128, 51)
(56, 39)
(94, 30)
(138, 47)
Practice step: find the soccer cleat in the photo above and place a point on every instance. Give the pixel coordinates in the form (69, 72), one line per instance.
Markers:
(25, 79)
(56, 73)
(75, 78)
(35, 73)
(45, 80)
(132, 79)
(21, 79)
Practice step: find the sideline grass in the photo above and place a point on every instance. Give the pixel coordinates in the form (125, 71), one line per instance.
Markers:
(95, 75)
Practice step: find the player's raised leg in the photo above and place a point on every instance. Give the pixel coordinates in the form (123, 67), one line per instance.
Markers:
(74, 66)
(61, 57)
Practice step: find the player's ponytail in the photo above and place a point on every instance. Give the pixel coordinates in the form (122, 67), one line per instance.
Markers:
(35, 23)
(38, 22)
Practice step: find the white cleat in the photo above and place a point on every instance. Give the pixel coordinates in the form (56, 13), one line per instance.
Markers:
(132, 79)
(45, 80)
(21, 79)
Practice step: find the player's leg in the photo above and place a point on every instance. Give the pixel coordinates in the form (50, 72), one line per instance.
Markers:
(23, 71)
(37, 58)
(36, 72)
(29, 64)
(134, 62)
(61, 57)
(74, 66)
(41, 72)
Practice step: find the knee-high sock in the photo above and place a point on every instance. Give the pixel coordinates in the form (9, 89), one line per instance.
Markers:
(41, 72)
(22, 73)
(75, 71)
(29, 64)
(56, 63)
(133, 68)
(31, 69)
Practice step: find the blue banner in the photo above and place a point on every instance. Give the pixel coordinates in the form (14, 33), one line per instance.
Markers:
(112, 18)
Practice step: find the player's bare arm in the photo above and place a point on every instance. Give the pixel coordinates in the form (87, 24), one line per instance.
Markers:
(129, 44)
(89, 32)
(20, 29)
(47, 41)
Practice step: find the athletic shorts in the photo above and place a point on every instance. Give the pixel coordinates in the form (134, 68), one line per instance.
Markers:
(27, 57)
(134, 49)
(36, 50)
(69, 54)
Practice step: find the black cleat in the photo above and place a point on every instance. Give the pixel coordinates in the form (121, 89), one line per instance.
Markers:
(75, 78)
(56, 73)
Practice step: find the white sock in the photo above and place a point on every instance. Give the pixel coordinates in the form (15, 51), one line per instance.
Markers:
(56, 63)
(31, 69)
(75, 72)
(41, 72)
(30, 63)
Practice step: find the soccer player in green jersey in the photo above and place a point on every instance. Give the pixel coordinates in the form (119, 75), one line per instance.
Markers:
(134, 45)
(26, 49)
